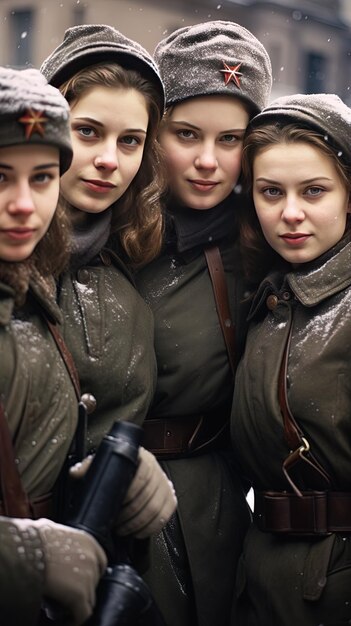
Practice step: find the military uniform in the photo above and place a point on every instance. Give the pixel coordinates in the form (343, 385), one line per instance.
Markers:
(41, 405)
(283, 579)
(194, 559)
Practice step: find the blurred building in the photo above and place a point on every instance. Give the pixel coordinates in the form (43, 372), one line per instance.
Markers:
(309, 41)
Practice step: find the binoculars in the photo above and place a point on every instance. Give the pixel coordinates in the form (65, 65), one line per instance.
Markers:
(123, 598)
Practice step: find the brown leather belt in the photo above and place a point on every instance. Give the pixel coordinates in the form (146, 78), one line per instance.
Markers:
(314, 513)
(177, 437)
(39, 507)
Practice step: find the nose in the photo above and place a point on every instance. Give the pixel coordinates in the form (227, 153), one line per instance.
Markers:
(22, 200)
(107, 158)
(292, 210)
(206, 158)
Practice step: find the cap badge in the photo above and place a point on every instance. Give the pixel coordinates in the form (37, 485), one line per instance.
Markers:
(231, 74)
(33, 122)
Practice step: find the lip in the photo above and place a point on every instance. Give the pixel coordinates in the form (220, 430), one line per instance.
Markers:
(18, 234)
(98, 186)
(295, 239)
(203, 185)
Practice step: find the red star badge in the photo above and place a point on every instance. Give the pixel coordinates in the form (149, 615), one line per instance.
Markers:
(33, 122)
(231, 73)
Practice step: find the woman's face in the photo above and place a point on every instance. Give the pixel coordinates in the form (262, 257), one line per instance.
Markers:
(202, 140)
(108, 129)
(29, 191)
(300, 200)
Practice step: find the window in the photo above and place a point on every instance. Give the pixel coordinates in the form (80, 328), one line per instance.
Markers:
(21, 21)
(316, 72)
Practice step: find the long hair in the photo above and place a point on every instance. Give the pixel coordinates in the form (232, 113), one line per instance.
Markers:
(136, 216)
(258, 256)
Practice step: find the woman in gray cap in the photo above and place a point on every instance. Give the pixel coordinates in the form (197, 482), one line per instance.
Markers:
(292, 402)
(217, 75)
(116, 99)
(38, 406)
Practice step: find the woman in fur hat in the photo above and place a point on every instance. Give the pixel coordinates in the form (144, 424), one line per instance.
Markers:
(38, 408)
(112, 193)
(292, 401)
(217, 75)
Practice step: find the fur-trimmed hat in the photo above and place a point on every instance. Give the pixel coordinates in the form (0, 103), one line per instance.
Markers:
(33, 112)
(324, 112)
(215, 58)
(85, 45)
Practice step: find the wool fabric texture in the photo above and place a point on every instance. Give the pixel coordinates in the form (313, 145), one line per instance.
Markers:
(324, 112)
(86, 45)
(193, 61)
(33, 112)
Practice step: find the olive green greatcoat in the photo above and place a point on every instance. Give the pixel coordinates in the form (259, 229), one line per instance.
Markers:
(288, 581)
(41, 407)
(194, 376)
(109, 331)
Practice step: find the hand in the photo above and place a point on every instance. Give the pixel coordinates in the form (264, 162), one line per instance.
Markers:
(150, 500)
(74, 563)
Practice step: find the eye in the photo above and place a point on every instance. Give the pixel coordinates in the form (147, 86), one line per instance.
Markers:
(185, 133)
(2, 177)
(314, 191)
(131, 140)
(86, 131)
(42, 178)
(229, 138)
(271, 192)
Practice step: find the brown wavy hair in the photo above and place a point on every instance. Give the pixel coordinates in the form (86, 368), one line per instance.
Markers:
(257, 255)
(136, 217)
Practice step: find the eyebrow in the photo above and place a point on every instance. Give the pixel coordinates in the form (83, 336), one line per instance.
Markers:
(305, 182)
(5, 166)
(184, 123)
(91, 120)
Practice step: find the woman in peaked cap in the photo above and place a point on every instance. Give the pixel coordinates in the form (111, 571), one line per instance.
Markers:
(111, 190)
(292, 401)
(217, 75)
(38, 405)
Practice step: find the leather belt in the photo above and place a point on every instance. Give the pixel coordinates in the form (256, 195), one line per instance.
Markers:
(177, 437)
(312, 513)
(39, 507)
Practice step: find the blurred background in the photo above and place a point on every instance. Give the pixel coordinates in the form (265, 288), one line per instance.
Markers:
(309, 41)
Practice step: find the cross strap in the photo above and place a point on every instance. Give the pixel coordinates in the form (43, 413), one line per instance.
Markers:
(297, 442)
(219, 285)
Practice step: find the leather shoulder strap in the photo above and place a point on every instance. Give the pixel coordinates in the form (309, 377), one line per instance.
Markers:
(14, 499)
(219, 285)
(66, 356)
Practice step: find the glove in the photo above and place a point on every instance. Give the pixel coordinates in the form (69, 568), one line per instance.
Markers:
(150, 500)
(74, 563)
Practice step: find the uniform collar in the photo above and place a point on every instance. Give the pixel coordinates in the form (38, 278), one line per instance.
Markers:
(313, 282)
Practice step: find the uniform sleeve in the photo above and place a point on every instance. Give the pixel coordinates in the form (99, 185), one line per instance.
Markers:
(22, 570)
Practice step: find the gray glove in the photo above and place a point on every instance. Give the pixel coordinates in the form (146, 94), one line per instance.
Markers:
(74, 563)
(150, 499)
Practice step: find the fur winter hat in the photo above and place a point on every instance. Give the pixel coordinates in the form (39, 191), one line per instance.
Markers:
(323, 112)
(33, 112)
(85, 45)
(215, 58)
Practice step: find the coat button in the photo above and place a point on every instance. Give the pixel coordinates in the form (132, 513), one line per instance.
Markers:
(272, 302)
(83, 276)
(286, 295)
(89, 402)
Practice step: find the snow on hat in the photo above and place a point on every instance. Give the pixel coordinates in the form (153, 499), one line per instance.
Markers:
(85, 45)
(33, 112)
(324, 112)
(215, 58)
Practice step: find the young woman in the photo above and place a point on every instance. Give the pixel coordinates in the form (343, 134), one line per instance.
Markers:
(292, 400)
(216, 75)
(38, 406)
(111, 189)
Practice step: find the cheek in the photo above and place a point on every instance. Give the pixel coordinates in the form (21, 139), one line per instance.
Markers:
(232, 166)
